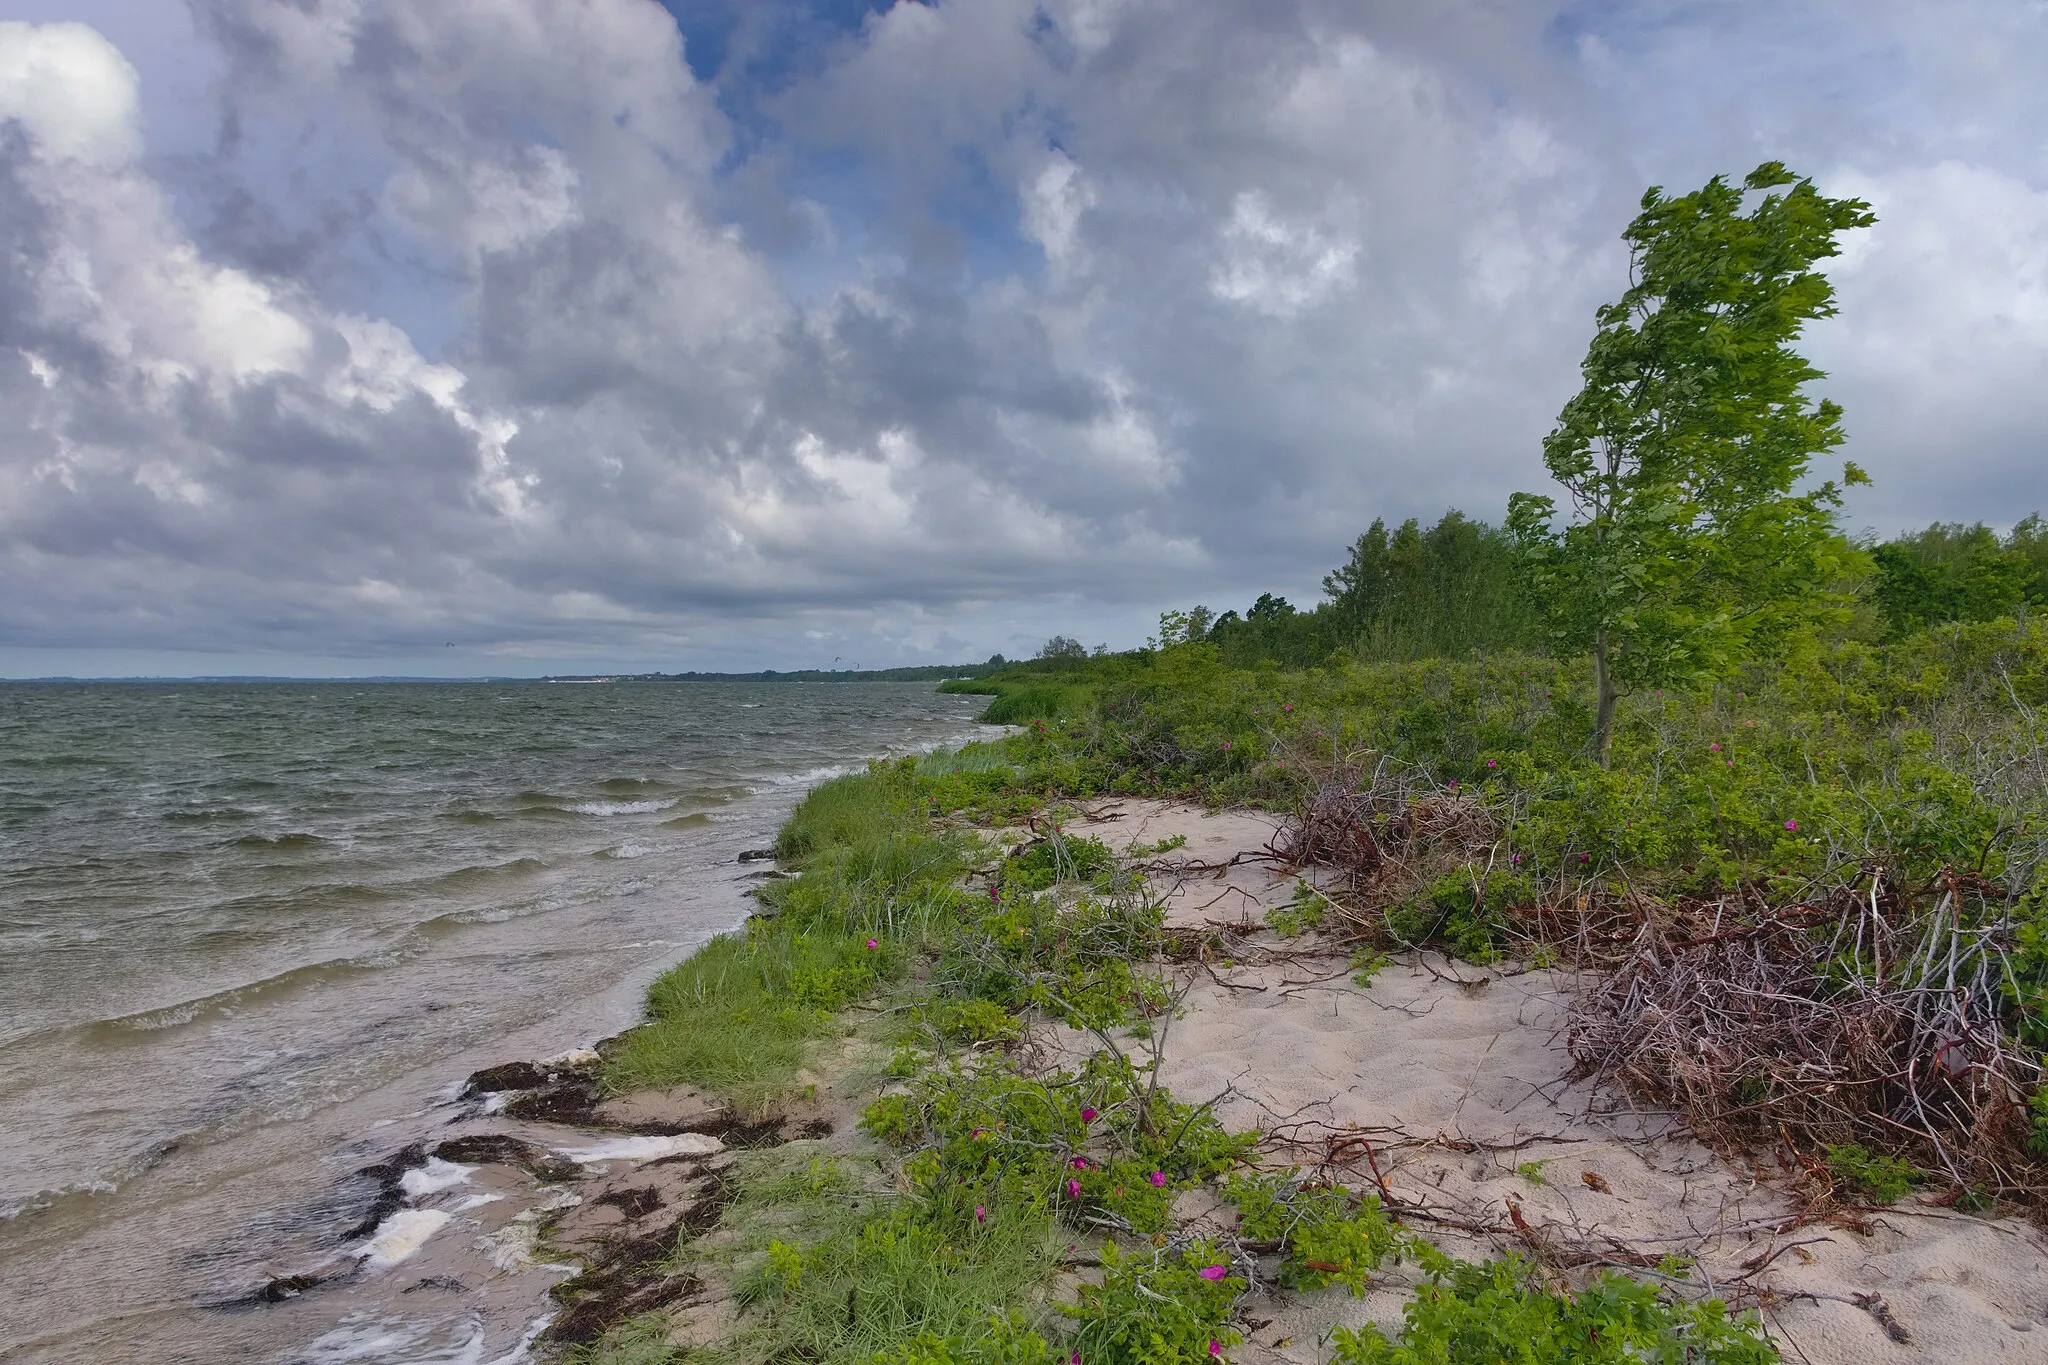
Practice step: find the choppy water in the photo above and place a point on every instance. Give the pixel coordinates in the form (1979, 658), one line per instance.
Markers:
(243, 926)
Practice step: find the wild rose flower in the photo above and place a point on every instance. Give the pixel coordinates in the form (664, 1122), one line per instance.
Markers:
(1289, 708)
(1792, 825)
(1158, 1179)
(1226, 744)
(873, 944)
(1713, 748)
(1073, 1189)
(1080, 1163)
(1493, 763)
(1087, 1116)
(1074, 1359)
(1213, 1272)
(1215, 1347)
(980, 1213)
(1585, 857)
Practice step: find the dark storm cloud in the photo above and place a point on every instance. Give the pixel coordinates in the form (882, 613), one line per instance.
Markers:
(921, 328)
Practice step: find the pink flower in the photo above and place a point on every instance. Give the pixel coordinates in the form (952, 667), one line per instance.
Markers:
(1792, 825)
(1493, 763)
(1087, 1116)
(1713, 748)
(1158, 1179)
(1074, 1359)
(1073, 1189)
(1080, 1163)
(977, 1132)
(1215, 1347)
(1213, 1272)
(980, 1213)
(1288, 708)
(1226, 744)
(1585, 857)
(873, 944)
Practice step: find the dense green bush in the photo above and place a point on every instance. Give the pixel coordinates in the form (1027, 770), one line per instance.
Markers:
(1498, 1313)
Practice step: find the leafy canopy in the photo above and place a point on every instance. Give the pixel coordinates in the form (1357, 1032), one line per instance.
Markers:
(1686, 546)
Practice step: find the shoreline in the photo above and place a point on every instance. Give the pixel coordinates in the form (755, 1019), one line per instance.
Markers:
(1436, 1125)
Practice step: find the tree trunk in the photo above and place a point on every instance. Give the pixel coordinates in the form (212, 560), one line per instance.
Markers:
(1603, 714)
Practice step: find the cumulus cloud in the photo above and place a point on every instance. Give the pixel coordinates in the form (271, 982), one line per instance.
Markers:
(501, 323)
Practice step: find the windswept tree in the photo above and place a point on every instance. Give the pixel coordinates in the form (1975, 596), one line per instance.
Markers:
(1687, 546)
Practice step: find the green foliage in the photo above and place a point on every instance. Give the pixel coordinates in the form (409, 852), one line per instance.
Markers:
(1951, 572)
(971, 1021)
(1098, 1144)
(1301, 914)
(1157, 1308)
(1009, 1340)
(1329, 1235)
(1465, 911)
(1074, 961)
(1058, 858)
(638, 1341)
(1412, 593)
(735, 1016)
(1687, 549)
(1497, 1313)
(1872, 1176)
(882, 1279)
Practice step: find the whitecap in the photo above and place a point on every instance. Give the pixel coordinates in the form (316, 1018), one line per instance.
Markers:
(437, 1175)
(401, 1235)
(621, 807)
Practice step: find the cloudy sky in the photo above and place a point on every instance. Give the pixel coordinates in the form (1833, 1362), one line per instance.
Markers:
(515, 335)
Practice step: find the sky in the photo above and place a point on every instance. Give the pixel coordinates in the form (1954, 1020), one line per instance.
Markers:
(524, 336)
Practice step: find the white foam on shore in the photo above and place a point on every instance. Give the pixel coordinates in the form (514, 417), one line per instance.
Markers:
(437, 1175)
(401, 1235)
(645, 1148)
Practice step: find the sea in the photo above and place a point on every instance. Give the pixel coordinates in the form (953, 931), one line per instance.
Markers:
(249, 932)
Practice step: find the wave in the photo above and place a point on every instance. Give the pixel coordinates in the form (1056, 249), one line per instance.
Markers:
(622, 807)
(279, 842)
(209, 816)
(143, 1023)
(78, 1191)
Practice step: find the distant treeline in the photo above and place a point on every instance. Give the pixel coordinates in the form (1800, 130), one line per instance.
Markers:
(1416, 592)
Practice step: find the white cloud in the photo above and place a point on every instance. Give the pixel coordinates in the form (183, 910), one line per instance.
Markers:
(71, 89)
(1279, 268)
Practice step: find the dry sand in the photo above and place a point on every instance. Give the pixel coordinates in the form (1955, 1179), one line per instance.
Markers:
(1447, 1088)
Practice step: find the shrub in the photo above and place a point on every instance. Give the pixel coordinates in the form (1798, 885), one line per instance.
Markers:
(1497, 1313)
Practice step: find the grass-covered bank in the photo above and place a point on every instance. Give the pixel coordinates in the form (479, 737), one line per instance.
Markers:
(990, 1210)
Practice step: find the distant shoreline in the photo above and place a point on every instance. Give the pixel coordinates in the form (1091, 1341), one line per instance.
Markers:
(917, 673)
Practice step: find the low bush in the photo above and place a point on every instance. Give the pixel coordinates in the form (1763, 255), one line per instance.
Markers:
(1498, 1313)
